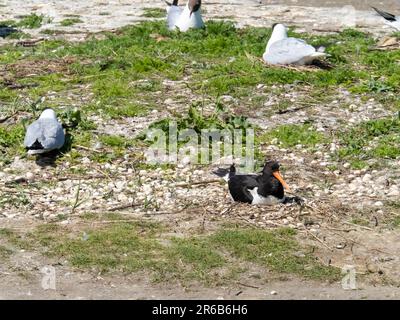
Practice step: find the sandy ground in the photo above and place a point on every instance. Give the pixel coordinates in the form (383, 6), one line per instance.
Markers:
(78, 286)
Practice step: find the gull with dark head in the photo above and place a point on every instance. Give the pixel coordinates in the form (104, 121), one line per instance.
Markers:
(45, 134)
(390, 19)
(186, 18)
(283, 50)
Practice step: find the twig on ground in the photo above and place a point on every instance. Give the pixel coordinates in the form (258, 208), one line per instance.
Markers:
(318, 239)
(29, 43)
(356, 225)
(189, 184)
(2, 120)
(80, 177)
(338, 229)
(247, 285)
(87, 149)
(125, 206)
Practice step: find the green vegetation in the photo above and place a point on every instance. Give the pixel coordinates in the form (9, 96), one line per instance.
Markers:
(291, 135)
(5, 252)
(32, 21)
(116, 141)
(274, 250)
(136, 246)
(125, 73)
(70, 21)
(197, 120)
(396, 222)
(154, 13)
(375, 139)
(11, 139)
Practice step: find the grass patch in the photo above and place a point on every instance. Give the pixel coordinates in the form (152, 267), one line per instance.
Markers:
(360, 221)
(5, 253)
(136, 246)
(274, 250)
(115, 141)
(15, 239)
(11, 139)
(375, 139)
(197, 120)
(32, 21)
(396, 222)
(291, 135)
(70, 22)
(154, 13)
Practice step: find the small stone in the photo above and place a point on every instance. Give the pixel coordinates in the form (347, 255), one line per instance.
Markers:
(367, 178)
(274, 293)
(29, 175)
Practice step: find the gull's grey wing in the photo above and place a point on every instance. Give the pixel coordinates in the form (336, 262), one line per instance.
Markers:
(48, 132)
(288, 50)
(174, 12)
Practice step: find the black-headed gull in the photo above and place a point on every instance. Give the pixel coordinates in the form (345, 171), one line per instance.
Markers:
(186, 18)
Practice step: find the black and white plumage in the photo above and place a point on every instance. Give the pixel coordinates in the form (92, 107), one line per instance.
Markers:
(5, 31)
(185, 18)
(226, 174)
(283, 50)
(45, 134)
(265, 188)
(390, 19)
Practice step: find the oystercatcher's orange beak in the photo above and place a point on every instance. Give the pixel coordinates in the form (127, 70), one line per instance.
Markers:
(277, 175)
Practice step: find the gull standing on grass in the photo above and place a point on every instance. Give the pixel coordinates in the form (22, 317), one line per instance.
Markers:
(184, 19)
(283, 50)
(391, 19)
(45, 134)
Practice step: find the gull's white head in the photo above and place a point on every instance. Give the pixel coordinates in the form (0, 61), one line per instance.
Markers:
(279, 32)
(48, 114)
(279, 28)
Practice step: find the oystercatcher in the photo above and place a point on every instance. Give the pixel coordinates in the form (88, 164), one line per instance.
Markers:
(184, 19)
(264, 188)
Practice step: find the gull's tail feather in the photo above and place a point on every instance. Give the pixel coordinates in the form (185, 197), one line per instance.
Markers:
(388, 16)
(226, 174)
